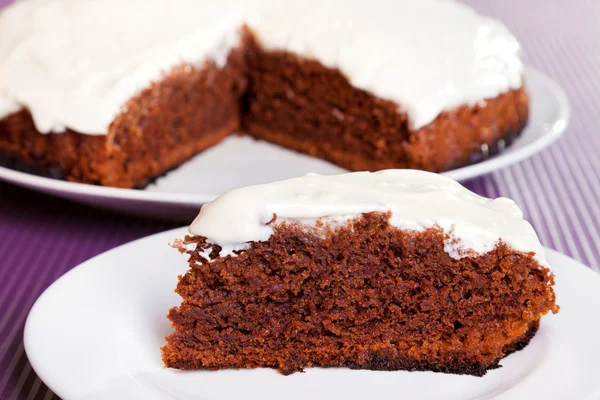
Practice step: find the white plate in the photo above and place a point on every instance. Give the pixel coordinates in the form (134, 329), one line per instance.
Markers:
(96, 333)
(241, 161)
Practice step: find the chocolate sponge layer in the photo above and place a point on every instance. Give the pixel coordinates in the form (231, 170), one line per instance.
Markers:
(363, 296)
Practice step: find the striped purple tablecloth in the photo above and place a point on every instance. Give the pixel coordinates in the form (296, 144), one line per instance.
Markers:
(559, 190)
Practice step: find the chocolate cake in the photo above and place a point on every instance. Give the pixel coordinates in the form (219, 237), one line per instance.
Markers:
(395, 270)
(99, 92)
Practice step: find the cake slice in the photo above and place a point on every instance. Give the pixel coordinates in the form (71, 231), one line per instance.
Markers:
(394, 270)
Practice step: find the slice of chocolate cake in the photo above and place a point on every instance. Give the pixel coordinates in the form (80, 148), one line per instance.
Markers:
(395, 270)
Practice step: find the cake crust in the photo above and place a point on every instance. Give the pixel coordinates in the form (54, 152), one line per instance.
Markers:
(363, 296)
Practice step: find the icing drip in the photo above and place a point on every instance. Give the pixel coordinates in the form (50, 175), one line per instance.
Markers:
(417, 200)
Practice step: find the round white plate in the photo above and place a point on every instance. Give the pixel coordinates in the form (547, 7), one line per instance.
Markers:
(96, 333)
(241, 161)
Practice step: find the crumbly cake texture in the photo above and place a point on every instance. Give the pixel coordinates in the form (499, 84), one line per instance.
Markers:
(363, 295)
(188, 111)
(302, 105)
(272, 95)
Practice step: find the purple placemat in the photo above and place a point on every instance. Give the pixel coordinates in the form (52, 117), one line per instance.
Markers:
(559, 190)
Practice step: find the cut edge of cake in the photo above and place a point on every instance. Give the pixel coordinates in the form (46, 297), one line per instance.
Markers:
(273, 93)
(356, 290)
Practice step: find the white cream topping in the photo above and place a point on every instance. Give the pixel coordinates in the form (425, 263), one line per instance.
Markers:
(74, 63)
(417, 200)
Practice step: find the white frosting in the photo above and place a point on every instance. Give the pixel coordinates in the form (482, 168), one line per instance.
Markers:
(74, 63)
(417, 200)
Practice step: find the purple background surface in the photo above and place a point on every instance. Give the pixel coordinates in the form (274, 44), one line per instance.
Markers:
(559, 190)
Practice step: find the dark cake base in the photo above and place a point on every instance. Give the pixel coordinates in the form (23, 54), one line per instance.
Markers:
(382, 363)
(375, 361)
(365, 296)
